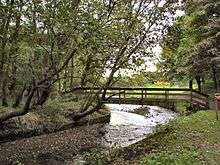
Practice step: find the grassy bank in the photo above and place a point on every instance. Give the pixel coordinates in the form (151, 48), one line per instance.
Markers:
(193, 139)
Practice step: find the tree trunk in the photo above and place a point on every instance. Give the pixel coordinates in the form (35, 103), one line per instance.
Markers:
(214, 78)
(19, 98)
(25, 110)
(59, 86)
(198, 80)
(108, 83)
(65, 79)
(88, 112)
(29, 99)
(86, 71)
(190, 84)
(71, 73)
(28, 90)
(4, 93)
(44, 96)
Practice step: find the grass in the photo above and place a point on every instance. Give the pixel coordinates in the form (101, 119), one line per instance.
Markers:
(181, 107)
(193, 139)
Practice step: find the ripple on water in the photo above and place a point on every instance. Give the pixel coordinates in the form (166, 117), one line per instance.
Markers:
(126, 128)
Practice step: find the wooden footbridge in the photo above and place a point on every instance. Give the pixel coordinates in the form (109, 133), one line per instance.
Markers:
(165, 97)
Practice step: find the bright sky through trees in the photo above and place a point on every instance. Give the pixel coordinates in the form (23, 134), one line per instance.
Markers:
(151, 64)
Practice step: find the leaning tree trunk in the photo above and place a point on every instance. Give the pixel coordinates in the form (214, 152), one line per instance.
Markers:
(108, 83)
(25, 110)
(99, 102)
(78, 116)
(29, 99)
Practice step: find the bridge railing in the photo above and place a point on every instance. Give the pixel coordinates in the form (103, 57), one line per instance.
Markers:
(146, 94)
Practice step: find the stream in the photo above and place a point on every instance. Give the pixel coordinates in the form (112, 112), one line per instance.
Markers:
(131, 123)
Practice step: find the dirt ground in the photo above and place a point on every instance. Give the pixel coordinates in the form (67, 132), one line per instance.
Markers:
(56, 148)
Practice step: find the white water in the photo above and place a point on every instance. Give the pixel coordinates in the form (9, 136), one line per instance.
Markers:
(126, 127)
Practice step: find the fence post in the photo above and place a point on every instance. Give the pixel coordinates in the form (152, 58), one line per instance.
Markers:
(191, 98)
(124, 96)
(142, 96)
(166, 95)
(166, 98)
(119, 95)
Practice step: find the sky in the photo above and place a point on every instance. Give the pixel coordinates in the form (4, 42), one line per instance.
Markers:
(150, 63)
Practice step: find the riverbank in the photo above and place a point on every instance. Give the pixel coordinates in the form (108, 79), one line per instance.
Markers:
(52, 117)
(192, 139)
(56, 148)
(128, 124)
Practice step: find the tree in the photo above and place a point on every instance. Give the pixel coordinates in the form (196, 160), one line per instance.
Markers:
(39, 53)
(192, 41)
(137, 26)
(50, 45)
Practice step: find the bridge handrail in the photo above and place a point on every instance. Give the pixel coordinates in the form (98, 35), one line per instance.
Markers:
(139, 88)
(130, 88)
(193, 95)
(200, 93)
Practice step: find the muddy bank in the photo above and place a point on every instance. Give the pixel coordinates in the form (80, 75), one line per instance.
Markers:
(60, 147)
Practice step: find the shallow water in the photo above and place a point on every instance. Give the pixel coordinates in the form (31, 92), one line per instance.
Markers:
(126, 127)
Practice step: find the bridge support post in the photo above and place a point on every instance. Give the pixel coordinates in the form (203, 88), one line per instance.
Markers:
(124, 96)
(166, 99)
(119, 96)
(191, 98)
(142, 96)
